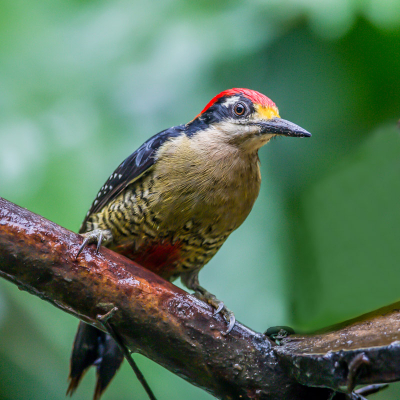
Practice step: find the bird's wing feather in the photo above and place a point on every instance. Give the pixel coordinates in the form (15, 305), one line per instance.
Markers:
(131, 169)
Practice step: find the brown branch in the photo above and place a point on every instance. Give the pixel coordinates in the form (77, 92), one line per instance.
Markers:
(175, 329)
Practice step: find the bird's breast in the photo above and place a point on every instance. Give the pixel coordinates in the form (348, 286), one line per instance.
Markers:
(215, 188)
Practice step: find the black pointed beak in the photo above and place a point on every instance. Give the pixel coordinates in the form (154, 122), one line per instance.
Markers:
(279, 126)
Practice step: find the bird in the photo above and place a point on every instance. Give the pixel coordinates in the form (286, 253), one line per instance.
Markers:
(173, 202)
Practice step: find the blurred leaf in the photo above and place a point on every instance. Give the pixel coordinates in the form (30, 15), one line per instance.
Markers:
(349, 235)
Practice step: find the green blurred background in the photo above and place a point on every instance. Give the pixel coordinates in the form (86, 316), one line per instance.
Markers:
(84, 83)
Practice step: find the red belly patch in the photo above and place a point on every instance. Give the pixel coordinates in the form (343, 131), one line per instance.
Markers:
(161, 258)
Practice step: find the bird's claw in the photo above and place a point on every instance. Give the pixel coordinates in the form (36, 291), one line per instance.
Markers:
(99, 241)
(232, 320)
(97, 236)
(190, 280)
(227, 314)
(219, 308)
(83, 245)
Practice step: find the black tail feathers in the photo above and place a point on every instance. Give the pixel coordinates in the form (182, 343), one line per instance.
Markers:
(97, 348)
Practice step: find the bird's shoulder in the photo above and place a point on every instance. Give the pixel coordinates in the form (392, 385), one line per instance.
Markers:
(132, 168)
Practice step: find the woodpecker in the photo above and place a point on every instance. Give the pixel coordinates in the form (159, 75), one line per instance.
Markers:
(172, 203)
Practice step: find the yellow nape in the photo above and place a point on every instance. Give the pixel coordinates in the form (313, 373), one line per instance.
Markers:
(266, 112)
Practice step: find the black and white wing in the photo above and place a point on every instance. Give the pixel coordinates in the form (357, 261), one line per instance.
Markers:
(131, 169)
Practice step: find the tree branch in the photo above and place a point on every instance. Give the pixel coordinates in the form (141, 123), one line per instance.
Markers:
(179, 332)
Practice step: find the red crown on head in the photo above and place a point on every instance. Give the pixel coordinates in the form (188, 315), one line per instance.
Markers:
(254, 96)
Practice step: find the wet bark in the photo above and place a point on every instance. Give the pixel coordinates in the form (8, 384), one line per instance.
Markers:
(179, 332)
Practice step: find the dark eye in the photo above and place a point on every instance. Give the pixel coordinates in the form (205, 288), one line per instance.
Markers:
(239, 109)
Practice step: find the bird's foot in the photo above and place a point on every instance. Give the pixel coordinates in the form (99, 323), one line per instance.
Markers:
(219, 306)
(191, 281)
(98, 236)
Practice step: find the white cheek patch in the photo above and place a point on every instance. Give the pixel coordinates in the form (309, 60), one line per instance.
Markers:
(231, 128)
(231, 100)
